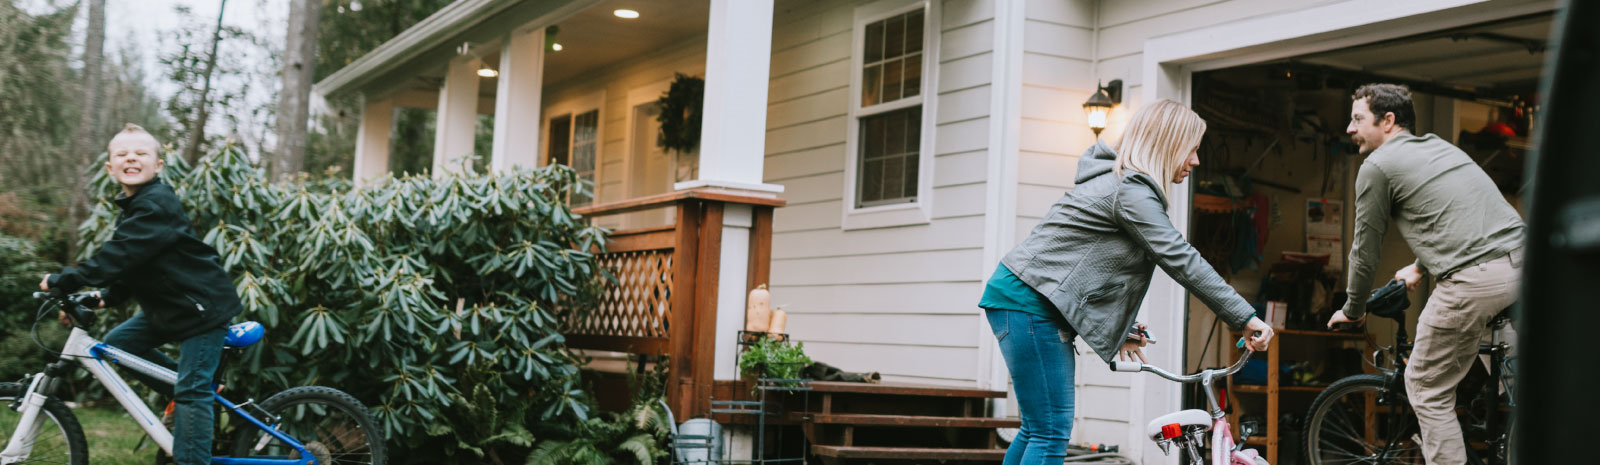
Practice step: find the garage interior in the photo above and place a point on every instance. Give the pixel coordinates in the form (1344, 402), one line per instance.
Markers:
(1273, 198)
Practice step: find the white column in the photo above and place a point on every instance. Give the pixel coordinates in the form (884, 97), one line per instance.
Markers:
(516, 105)
(734, 124)
(372, 140)
(732, 274)
(457, 114)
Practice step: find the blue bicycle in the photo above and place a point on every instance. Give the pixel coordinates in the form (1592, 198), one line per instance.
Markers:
(306, 425)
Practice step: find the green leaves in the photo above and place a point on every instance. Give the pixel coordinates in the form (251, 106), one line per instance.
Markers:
(417, 294)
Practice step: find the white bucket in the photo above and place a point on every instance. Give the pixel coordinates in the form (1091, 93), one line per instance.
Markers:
(699, 441)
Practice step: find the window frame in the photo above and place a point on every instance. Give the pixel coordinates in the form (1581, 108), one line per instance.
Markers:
(571, 108)
(919, 211)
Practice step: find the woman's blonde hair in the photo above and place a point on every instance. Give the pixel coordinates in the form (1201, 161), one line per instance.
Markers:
(1158, 140)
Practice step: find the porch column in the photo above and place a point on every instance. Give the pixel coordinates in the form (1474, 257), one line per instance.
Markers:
(516, 106)
(732, 152)
(372, 140)
(457, 117)
(734, 124)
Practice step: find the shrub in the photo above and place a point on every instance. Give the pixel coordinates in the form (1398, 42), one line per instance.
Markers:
(436, 300)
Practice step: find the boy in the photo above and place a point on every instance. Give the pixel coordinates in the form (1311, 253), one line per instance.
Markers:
(155, 258)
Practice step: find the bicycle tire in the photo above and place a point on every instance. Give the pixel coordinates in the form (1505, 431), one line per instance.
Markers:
(321, 415)
(1334, 437)
(64, 441)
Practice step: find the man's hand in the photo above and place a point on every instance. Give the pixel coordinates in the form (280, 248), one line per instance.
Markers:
(1339, 317)
(44, 284)
(1258, 343)
(1409, 275)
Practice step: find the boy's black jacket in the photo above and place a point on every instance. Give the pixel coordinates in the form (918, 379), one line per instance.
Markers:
(155, 258)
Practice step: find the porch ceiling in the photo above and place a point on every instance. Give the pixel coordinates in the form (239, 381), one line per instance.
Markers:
(1504, 55)
(595, 38)
(592, 38)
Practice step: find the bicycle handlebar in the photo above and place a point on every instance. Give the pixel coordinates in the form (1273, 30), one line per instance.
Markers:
(1135, 367)
(74, 304)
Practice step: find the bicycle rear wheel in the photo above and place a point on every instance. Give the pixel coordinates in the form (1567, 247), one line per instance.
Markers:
(327, 420)
(1356, 421)
(60, 437)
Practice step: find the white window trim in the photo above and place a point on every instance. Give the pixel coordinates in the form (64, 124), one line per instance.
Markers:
(920, 211)
(573, 107)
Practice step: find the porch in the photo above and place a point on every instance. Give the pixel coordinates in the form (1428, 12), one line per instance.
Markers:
(510, 84)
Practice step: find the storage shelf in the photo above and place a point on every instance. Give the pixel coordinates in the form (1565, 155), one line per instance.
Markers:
(1302, 332)
(1259, 389)
(1273, 391)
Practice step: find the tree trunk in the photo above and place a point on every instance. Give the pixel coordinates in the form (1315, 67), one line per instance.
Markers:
(83, 140)
(197, 131)
(294, 98)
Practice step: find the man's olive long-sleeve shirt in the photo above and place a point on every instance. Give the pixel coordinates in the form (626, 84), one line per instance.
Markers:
(1448, 210)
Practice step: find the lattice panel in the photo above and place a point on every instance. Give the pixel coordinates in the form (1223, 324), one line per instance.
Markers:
(639, 304)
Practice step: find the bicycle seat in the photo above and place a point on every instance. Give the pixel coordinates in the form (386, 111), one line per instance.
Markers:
(1186, 418)
(1389, 301)
(244, 334)
(1505, 316)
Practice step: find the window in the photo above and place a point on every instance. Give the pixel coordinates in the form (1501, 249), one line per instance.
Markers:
(889, 141)
(889, 145)
(574, 141)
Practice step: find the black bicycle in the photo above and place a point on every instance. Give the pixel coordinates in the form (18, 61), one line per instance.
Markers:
(1367, 419)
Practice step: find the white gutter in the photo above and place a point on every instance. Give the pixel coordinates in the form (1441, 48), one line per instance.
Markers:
(427, 34)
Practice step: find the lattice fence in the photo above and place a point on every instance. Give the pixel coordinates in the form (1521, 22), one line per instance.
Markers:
(639, 304)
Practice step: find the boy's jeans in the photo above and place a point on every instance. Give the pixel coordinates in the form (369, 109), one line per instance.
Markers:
(197, 365)
(1038, 352)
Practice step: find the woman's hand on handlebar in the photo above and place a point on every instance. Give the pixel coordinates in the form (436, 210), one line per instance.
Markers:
(1262, 336)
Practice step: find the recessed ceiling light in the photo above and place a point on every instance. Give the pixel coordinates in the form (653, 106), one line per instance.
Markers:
(626, 13)
(556, 47)
(487, 72)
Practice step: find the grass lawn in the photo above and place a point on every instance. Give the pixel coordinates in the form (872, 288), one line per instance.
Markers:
(112, 434)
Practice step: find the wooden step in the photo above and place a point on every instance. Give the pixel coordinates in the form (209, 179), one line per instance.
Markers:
(904, 389)
(906, 420)
(908, 453)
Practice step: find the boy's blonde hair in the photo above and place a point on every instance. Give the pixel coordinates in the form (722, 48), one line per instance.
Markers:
(1158, 141)
(134, 129)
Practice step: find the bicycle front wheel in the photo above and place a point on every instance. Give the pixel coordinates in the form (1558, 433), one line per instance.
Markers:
(333, 426)
(1358, 421)
(59, 438)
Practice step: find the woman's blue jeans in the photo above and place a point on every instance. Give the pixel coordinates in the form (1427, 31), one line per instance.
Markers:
(1038, 352)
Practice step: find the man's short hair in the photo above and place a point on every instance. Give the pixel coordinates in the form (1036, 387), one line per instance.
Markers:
(1389, 98)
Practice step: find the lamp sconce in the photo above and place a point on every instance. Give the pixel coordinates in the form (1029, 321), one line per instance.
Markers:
(1099, 105)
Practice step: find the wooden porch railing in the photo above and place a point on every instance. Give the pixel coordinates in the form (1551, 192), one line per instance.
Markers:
(665, 299)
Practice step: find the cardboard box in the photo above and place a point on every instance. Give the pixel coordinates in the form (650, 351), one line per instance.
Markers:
(1277, 314)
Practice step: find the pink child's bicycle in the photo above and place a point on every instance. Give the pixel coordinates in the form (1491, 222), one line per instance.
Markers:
(1188, 428)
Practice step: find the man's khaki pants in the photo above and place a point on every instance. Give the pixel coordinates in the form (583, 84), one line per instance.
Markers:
(1448, 332)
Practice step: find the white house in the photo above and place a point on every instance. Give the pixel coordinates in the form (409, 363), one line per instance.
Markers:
(909, 165)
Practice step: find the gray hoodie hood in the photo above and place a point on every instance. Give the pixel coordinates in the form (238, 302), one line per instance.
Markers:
(1096, 161)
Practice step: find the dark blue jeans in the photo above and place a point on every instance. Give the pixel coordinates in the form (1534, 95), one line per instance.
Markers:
(1038, 352)
(197, 362)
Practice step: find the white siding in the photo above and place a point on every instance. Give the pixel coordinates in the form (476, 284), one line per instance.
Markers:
(897, 300)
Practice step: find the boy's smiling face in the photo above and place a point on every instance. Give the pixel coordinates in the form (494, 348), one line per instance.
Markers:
(134, 159)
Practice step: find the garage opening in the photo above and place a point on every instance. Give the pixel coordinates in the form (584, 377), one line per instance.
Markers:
(1273, 198)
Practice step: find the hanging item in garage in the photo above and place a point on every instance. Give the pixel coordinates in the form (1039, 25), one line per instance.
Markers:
(1325, 230)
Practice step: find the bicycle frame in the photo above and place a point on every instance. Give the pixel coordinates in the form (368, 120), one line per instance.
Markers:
(98, 358)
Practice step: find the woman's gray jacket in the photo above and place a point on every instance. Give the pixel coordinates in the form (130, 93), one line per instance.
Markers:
(1094, 253)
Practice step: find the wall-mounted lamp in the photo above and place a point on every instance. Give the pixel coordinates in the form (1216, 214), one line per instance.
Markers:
(487, 72)
(1099, 105)
(550, 38)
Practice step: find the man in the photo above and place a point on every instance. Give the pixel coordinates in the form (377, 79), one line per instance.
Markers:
(1464, 234)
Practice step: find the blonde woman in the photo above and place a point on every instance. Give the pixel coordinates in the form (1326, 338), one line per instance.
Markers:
(1083, 271)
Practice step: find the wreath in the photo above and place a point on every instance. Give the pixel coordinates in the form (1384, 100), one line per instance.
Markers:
(680, 114)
